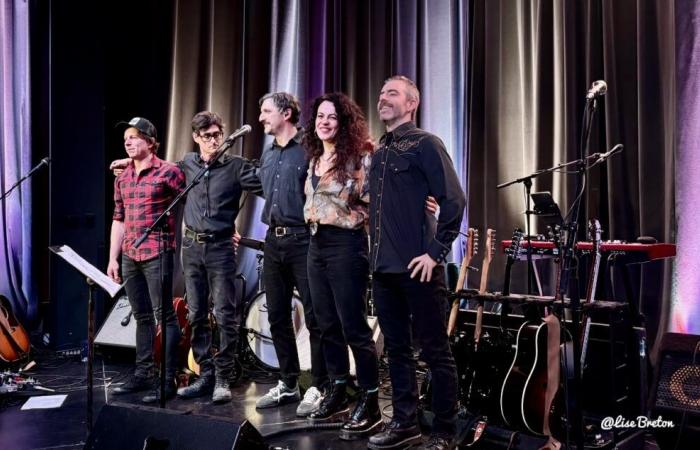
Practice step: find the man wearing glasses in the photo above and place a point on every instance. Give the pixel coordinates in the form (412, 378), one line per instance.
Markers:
(208, 255)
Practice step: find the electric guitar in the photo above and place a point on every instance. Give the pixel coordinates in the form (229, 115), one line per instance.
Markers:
(491, 350)
(472, 248)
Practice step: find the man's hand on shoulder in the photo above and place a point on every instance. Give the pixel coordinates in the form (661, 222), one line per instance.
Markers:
(118, 165)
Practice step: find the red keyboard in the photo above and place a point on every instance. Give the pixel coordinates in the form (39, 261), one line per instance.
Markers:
(643, 252)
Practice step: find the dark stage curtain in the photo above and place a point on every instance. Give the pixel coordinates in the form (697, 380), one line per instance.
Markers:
(532, 64)
(226, 55)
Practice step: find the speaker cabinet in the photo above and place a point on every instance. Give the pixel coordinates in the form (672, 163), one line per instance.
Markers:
(119, 329)
(676, 396)
(121, 426)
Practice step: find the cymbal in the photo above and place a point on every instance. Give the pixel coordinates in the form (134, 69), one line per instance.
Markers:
(252, 243)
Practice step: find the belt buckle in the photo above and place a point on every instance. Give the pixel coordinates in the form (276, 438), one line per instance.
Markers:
(200, 238)
(313, 228)
(279, 232)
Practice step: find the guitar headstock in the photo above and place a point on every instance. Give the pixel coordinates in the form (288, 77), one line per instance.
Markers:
(472, 243)
(515, 243)
(490, 244)
(594, 233)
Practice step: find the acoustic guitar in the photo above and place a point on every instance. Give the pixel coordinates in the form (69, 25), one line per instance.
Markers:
(14, 341)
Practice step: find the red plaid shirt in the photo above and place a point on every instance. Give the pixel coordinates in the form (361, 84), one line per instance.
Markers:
(140, 199)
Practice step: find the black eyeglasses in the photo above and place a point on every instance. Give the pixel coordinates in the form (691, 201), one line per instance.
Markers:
(206, 137)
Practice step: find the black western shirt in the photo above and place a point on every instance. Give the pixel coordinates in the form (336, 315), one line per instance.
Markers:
(283, 173)
(213, 204)
(409, 165)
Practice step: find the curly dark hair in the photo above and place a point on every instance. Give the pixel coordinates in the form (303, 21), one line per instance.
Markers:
(352, 140)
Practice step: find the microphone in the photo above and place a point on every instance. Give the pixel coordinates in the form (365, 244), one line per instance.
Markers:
(245, 129)
(598, 89)
(44, 162)
(603, 156)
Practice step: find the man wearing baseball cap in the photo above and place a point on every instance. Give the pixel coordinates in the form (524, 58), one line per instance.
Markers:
(141, 193)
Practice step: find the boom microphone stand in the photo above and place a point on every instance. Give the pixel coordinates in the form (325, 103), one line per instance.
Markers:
(44, 162)
(582, 165)
(161, 224)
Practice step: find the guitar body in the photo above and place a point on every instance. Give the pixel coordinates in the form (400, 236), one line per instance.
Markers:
(523, 391)
(183, 347)
(14, 340)
(491, 364)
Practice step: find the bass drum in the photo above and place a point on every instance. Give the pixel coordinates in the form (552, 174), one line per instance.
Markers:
(259, 338)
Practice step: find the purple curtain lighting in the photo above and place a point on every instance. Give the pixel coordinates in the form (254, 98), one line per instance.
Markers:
(686, 282)
(15, 155)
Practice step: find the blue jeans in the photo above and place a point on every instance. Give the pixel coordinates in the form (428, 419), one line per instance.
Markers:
(143, 287)
(401, 302)
(210, 271)
(338, 278)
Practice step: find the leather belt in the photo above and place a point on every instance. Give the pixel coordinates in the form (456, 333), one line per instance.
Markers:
(286, 231)
(202, 238)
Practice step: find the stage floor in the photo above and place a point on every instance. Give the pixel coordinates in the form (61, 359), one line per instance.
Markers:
(65, 427)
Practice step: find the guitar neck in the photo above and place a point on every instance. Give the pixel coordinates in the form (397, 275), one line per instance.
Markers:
(590, 298)
(480, 308)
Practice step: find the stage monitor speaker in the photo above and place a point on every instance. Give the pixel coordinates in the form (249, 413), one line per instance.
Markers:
(120, 426)
(676, 396)
(119, 329)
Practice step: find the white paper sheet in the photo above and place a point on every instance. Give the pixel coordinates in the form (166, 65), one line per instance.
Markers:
(44, 402)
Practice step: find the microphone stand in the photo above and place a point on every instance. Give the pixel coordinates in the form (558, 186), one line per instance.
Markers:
(582, 165)
(29, 174)
(161, 224)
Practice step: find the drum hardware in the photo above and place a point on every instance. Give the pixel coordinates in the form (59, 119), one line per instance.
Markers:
(255, 328)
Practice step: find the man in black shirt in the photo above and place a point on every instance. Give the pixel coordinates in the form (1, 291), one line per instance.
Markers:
(406, 256)
(283, 173)
(208, 255)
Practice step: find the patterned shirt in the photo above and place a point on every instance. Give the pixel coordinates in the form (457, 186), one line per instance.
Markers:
(409, 165)
(341, 205)
(140, 199)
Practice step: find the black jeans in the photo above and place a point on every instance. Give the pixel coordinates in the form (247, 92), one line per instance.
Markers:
(210, 271)
(338, 277)
(284, 267)
(397, 298)
(143, 287)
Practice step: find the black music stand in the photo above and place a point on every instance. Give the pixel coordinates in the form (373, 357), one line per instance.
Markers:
(93, 277)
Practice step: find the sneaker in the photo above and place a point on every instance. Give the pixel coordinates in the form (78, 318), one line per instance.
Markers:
(278, 395)
(202, 386)
(154, 395)
(134, 384)
(222, 391)
(310, 402)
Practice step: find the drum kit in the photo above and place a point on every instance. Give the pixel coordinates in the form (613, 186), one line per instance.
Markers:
(256, 336)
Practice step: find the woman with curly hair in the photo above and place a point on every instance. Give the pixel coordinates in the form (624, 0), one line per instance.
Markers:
(337, 143)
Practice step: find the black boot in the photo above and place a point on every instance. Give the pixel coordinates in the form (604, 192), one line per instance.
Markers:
(334, 406)
(154, 395)
(365, 418)
(395, 436)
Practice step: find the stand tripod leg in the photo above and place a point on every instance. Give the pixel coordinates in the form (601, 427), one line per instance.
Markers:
(90, 341)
